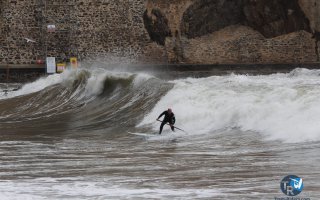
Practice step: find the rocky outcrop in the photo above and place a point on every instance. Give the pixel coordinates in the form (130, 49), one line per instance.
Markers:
(270, 17)
(311, 9)
(275, 17)
(263, 31)
(157, 26)
(206, 16)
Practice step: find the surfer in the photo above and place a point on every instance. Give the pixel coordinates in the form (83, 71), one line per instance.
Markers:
(168, 118)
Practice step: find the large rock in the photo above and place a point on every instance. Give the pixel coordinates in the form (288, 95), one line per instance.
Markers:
(243, 31)
(270, 17)
(206, 16)
(311, 8)
(156, 24)
(275, 17)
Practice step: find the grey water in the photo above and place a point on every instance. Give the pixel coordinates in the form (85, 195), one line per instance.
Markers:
(70, 140)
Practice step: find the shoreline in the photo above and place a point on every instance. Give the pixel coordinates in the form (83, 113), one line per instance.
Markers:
(27, 73)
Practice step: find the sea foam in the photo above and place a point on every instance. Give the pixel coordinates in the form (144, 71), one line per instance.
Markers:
(282, 107)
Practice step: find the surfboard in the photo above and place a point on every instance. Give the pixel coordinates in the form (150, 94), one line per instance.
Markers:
(155, 136)
(143, 134)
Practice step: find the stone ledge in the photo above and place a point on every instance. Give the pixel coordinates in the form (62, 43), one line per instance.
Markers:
(190, 67)
(246, 66)
(22, 66)
(29, 73)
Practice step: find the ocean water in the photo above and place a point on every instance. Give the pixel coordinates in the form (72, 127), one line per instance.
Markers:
(66, 136)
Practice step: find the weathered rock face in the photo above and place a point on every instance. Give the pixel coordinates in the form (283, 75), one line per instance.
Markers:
(311, 9)
(270, 17)
(206, 16)
(275, 17)
(281, 31)
(160, 31)
(157, 26)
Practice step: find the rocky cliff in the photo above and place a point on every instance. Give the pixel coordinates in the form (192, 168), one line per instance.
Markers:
(242, 31)
(160, 31)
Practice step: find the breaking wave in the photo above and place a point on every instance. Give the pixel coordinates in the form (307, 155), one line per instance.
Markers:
(83, 99)
(279, 106)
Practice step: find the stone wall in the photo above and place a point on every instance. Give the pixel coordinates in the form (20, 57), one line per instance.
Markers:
(241, 44)
(19, 22)
(86, 29)
(22, 75)
(161, 31)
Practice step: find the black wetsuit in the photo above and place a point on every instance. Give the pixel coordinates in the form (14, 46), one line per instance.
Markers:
(168, 118)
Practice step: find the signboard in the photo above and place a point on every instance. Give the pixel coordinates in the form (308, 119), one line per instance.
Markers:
(74, 62)
(61, 67)
(51, 65)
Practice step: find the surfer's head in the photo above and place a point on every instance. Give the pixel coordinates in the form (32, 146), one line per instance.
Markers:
(169, 110)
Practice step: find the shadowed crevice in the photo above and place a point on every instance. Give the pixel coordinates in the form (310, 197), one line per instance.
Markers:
(157, 26)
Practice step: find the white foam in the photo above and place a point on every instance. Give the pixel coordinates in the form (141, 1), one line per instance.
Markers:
(95, 84)
(67, 76)
(78, 189)
(93, 87)
(98, 76)
(280, 106)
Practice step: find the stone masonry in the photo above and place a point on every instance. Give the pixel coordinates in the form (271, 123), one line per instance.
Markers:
(161, 31)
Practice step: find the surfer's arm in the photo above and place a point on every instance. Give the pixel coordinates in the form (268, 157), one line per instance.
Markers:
(161, 115)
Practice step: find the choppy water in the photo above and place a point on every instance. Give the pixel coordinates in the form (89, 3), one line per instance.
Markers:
(66, 136)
